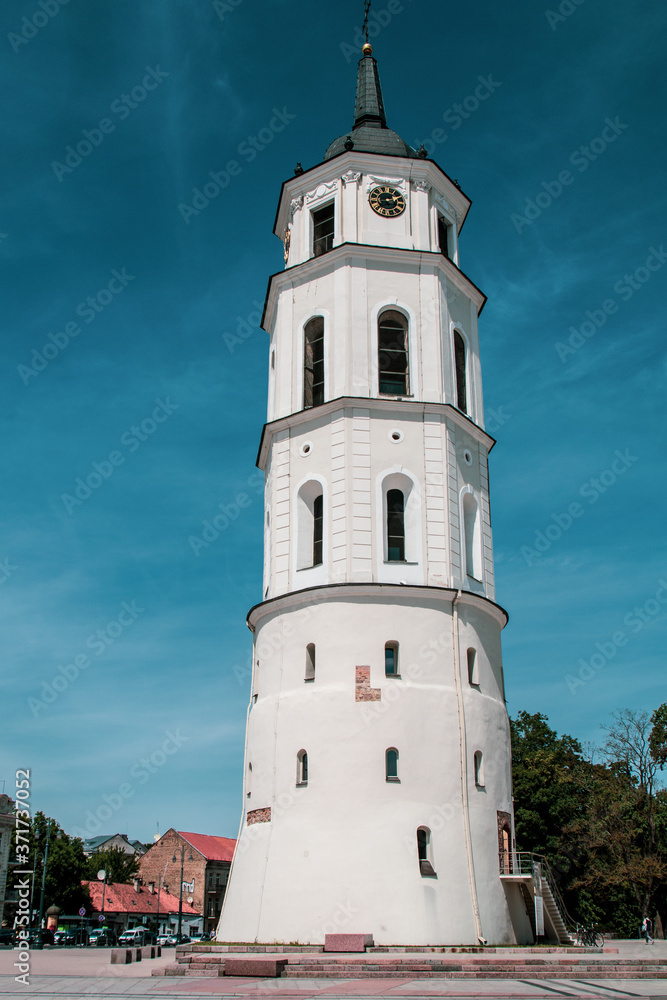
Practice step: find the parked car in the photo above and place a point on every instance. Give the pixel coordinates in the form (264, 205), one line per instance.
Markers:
(102, 937)
(202, 936)
(137, 937)
(64, 937)
(178, 939)
(6, 935)
(163, 939)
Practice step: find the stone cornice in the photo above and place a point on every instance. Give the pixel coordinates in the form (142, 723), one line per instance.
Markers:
(396, 407)
(394, 592)
(361, 253)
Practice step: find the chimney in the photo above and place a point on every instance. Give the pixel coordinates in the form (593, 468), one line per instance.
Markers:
(151, 888)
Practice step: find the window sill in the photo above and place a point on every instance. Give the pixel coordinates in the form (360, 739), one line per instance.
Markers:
(427, 870)
(393, 781)
(302, 784)
(399, 562)
(396, 395)
(304, 569)
(393, 676)
(308, 680)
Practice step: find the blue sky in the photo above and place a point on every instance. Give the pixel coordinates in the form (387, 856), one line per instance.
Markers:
(154, 374)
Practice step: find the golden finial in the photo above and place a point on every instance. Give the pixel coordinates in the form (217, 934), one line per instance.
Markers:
(367, 49)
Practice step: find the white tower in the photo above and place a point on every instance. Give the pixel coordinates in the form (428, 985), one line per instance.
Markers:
(378, 785)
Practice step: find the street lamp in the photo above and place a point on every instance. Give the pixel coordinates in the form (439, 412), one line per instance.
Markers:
(40, 932)
(180, 894)
(159, 884)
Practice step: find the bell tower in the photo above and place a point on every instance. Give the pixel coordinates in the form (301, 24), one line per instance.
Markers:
(377, 790)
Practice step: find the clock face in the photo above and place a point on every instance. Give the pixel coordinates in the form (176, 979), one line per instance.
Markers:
(387, 201)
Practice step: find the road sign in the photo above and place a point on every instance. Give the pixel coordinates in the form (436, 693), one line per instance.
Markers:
(82, 911)
(101, 918)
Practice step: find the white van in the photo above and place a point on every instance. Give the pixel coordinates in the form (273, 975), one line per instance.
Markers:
(136, 937)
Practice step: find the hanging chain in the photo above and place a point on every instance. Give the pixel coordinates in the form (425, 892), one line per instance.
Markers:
(367, 7)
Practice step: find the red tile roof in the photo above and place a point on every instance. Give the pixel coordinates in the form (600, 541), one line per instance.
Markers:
(213, 848)
(119, 898)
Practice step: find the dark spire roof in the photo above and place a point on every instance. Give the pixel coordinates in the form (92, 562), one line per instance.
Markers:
(369, 133)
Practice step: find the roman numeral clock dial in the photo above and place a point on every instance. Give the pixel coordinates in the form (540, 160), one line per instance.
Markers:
(387, 201)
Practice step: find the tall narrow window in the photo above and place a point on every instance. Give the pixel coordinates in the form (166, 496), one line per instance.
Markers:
(391, 764)
(310, 525)
(323, 229)
(479, 769)
(249, 780)
(391, 659)
(302, 768)
(395, 526)
(473, 540)
(460, 365)
(443, 236)
(473, 670)
(310, 662)
(393, 353)
(313, 363)
(424, 851)
(318, 520)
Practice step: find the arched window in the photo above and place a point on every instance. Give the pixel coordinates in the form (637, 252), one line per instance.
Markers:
(313, 362)
(391, 764)
(424, 851)
(310, 662)
(302, 768)
(460, 365)
(310, 525)
(395, 526)
(391, 659)
(473, 669)
(473, 537)
(393, 353)
(479, 769)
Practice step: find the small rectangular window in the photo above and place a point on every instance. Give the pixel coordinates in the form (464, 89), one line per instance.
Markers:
(391, 659)
(444, 236)
(323, 230)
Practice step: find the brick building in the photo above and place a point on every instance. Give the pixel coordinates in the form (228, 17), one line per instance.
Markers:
(206, 862)
(135, 905)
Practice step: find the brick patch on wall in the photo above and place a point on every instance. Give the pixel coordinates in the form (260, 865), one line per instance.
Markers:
(259, 816)
(362, 686)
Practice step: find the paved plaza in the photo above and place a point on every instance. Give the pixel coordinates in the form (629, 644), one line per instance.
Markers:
(86, 972)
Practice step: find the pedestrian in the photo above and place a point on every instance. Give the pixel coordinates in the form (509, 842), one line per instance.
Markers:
(647, 927)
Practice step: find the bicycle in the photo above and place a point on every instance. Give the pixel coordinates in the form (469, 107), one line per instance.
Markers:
(590, 937)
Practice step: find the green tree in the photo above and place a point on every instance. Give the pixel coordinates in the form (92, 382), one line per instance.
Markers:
(119, 866)
(64, 870)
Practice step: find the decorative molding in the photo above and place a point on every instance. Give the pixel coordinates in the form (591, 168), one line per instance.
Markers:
(295, 205)
(351, 177)
(397, 182)
(421, 186)
(321, 191)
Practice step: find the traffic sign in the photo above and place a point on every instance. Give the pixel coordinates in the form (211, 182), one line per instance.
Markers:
(101, 918)
(82, 911)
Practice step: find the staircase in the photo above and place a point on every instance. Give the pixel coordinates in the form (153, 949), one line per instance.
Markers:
(432, 963)
(535, 878)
